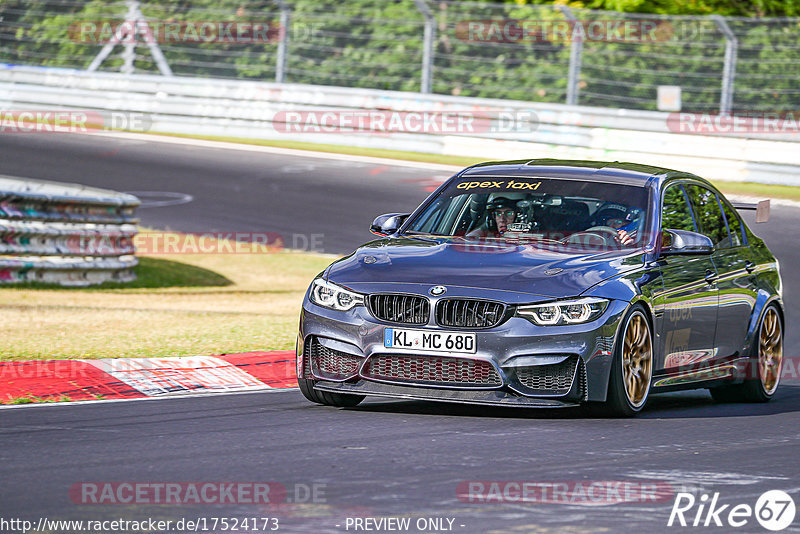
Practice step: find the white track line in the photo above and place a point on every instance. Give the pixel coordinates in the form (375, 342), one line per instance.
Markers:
(277, 150)
(167, 396)
(338, 157)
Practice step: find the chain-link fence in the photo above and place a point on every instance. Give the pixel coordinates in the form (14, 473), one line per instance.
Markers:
(534, 53)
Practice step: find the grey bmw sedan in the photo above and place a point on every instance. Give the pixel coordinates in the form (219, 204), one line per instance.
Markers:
(550, 283)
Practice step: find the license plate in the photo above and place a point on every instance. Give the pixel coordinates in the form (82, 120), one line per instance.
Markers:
(402, 339)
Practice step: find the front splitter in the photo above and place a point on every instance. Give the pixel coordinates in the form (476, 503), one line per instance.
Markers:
(484, 397)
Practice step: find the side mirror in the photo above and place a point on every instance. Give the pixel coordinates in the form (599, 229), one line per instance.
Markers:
(387, 223)
(681, 242)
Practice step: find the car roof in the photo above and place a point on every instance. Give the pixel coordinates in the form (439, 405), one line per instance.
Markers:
(598, 171)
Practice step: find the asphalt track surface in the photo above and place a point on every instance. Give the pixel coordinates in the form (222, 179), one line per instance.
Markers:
(384, 458)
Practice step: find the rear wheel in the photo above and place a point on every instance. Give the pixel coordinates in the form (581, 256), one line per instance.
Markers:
(631, 368)
(766, 362)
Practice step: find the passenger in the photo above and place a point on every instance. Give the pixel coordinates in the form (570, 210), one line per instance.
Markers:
(500, 212)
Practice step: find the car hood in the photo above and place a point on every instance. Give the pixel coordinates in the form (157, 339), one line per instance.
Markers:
(399, 264)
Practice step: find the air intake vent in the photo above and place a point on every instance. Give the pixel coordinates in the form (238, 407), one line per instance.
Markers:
(432, 370)
(403, 309)
(554, 379)
(330, 364)
(469, 313)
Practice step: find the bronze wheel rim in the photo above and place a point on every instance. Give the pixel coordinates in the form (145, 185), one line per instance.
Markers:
(637, 360)
(770, 351)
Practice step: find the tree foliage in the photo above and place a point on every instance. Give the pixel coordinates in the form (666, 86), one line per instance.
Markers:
(378, 44)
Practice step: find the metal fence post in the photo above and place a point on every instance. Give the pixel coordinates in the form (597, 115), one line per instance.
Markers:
(729, 67)
(429, 39)
(283, 42)
(129, 48)
(575, 56)
(135, 24)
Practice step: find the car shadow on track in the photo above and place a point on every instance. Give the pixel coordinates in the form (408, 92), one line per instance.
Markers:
(436, 408)
(679, 405)
(699, 404)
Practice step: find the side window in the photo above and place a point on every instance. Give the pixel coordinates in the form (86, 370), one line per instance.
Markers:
(441, 216)
(734, 225)
(430, 218)
(676, 214)
(708, 213)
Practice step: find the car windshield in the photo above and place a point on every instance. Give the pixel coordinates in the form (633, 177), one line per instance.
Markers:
(556, 211)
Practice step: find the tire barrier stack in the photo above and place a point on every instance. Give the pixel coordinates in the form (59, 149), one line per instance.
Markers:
(65, 234)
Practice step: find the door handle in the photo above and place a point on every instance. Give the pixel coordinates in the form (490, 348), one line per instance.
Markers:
(750, 266)
(711, 276)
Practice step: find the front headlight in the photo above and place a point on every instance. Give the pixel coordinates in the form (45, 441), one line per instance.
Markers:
(563, 312)
(334, 297)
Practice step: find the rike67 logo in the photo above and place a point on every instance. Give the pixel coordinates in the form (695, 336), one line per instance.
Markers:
(774, 510)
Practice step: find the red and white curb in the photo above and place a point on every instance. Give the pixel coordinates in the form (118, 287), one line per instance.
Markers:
(129, 378)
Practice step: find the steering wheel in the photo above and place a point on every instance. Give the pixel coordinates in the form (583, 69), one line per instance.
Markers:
(609, 236)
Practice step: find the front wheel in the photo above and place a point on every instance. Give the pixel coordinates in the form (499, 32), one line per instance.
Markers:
(631, 367)
(766, 362)
(328, 399)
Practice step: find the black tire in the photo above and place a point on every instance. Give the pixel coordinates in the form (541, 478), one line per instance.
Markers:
(753, 388)
(307, 389)
(339, 400)
(618, 402)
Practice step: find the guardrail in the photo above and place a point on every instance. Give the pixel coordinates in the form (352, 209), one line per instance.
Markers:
(257, 110)
(512, 50)
(65, 234)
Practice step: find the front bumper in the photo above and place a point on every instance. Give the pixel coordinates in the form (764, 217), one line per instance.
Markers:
(530, 365)
(491, 398)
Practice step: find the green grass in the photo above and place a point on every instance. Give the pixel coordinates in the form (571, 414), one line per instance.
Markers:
(738, 188)
(156, 272)
(21, 400)
(762, 191)
(151, 273)
(35, 400)
(462, 161)
(182, 305)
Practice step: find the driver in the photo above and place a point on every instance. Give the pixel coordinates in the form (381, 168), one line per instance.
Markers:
(615, 216)
(500, 212)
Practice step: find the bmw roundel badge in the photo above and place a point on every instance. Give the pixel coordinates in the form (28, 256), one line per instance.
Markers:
(437, 290)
